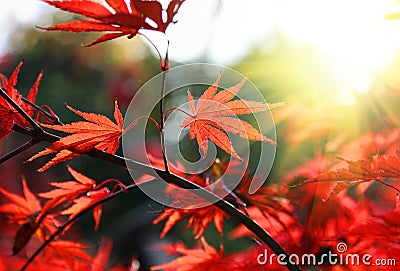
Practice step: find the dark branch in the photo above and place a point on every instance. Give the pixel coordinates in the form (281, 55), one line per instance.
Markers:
(18, 150)
(28, 118)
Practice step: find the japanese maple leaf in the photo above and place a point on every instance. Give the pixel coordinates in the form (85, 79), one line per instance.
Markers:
(70, 189)
(19, 208)
(69, 252)
(203, 258)
(120, 18)
(377, 168)
(215, 115)
(8, 114)
(97, 132)
(26, 211)
(199, 218)
(83, 202)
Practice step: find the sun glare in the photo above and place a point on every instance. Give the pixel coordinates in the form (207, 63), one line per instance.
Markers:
(352, 34)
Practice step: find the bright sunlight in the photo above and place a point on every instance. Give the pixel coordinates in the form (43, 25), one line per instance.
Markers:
(354, 36)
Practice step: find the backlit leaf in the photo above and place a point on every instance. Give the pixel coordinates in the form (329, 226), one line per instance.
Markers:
(123, 18)
(216, 114)
(97, 132)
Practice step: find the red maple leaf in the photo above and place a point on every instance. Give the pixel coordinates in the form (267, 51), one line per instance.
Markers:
(98, 132)
(8, 114)
(215, 115)
(19, 208)
(70, 189)
(27, 212)
(377, 168)
(121, 18)
(199, 218)
(84, 202)
(69, 252)
(203, 258)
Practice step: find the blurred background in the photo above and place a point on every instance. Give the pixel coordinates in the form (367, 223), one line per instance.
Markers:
(336, 61)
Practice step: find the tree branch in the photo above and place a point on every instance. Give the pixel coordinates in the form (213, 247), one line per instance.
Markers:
(19, 149)
(28, 118)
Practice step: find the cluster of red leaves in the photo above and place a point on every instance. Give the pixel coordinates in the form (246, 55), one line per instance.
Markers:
(120, 18)
(197, 217)
(8, 114)
(34, 220)
(205, 257)
(300, 217)
(269, 207)
(62, 255)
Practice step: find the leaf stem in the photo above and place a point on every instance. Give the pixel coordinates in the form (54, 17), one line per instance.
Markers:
(388, 185)
(117, 183)
(44, 112)
(180, 110)
(163, 83)
(133, 123)
(154, 46)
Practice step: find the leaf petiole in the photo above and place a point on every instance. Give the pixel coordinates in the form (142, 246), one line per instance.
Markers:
(133, 123)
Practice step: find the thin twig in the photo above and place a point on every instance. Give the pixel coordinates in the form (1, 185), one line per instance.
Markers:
(162, 120)
(178, 109)
(19, 149)
(388, 185)
(133, 123)
(152, 44)
(55, 119)
(165, 68)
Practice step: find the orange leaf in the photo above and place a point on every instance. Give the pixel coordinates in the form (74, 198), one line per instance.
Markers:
(215, 115)
(97, 132)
